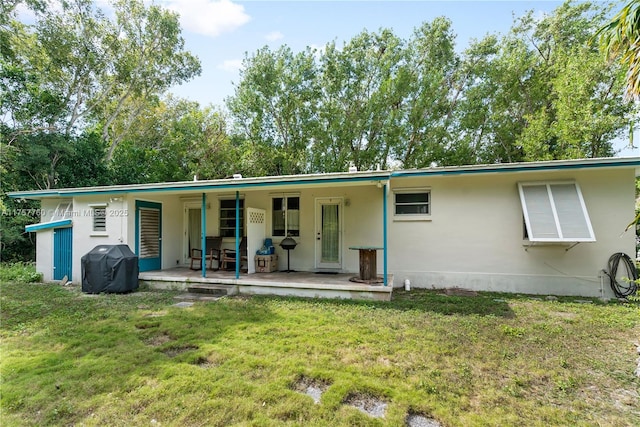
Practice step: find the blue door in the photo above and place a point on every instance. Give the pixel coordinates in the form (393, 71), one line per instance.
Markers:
(62, 253)
(149, 235)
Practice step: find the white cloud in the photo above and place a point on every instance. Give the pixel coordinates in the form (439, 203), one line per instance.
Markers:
(231, 65)
(207, 17)
(274, 35)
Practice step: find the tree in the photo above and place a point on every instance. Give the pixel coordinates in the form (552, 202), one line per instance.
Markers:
(543, 92)
(429, 85)
(540, 92)
(174, 140)
(274, 109)
(91, 69)
(584, 110)
(620, 39)
(359, 96)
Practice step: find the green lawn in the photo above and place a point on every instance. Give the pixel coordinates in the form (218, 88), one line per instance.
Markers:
(494, 359)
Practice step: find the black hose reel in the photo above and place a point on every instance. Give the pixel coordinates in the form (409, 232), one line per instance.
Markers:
(627, 285)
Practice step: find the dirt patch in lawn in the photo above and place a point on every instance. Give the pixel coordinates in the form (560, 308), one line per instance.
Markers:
(368, 404)
(460, 292)
(158, 340)
(203, 363)
(563, 314)
(174, 351)
(311, 387)
(421, 420)
(145, 324)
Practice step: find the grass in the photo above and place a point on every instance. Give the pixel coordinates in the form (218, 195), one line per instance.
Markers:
(493, 359)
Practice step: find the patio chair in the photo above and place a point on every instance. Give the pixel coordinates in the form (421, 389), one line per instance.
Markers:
(229, 255)
(212, 253)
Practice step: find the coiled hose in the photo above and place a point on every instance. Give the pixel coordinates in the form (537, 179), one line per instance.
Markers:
(628, 285)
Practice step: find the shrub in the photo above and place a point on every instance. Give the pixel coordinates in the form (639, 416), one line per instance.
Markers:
(24, 272)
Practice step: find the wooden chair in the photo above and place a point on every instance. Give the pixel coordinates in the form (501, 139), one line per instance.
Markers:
(212, 253)
(229, 255)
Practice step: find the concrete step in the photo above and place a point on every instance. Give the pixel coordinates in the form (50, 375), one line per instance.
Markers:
(197, 297)
(209, 289)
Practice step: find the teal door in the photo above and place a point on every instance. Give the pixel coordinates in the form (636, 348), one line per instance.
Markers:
(149, 235)
(62, 252)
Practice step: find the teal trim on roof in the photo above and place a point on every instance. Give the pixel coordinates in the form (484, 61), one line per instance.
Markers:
(47, 225)
(511, 167)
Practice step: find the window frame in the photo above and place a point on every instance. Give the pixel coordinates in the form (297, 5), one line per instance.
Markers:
(99, 221)
(529, 235)
(285, 198)
(222, 233)
(62, 213)
(94, 207)
(412, 216)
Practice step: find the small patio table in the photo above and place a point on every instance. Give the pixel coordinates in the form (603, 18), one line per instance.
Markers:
(368, 267)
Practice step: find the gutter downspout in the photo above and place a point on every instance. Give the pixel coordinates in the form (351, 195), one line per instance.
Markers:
(384, 232)
(237, 234)
(203, 236)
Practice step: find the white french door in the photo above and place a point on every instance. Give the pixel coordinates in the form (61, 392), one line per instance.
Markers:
(329, 233)
(192, 230)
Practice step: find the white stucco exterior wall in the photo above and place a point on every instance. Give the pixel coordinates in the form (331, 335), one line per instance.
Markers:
(474, 238)
(84, 238)
(361, 223)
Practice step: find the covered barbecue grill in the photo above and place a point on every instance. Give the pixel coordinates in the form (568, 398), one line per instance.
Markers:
(109, 268)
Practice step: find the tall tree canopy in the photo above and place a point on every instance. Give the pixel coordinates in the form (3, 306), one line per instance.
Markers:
(540, 92)
(76, 68)
(173, 140)
(620, 39)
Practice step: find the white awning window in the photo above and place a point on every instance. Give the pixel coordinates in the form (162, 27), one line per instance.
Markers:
(555, 212)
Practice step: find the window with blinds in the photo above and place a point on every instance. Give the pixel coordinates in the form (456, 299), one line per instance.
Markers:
(149, 233)
(555, 212)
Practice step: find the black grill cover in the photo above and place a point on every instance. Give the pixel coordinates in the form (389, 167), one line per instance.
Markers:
(109, 268)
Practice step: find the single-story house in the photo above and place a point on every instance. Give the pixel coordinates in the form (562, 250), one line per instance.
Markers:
(538, 228)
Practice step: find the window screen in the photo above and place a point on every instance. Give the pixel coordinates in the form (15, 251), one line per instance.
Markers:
(417, 203)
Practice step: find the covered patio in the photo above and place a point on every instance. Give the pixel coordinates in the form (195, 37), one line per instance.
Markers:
(298, 283)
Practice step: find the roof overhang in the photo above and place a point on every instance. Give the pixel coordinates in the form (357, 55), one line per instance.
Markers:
(47, 225)
(218, 185)
(551, 165)
(339, 179)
